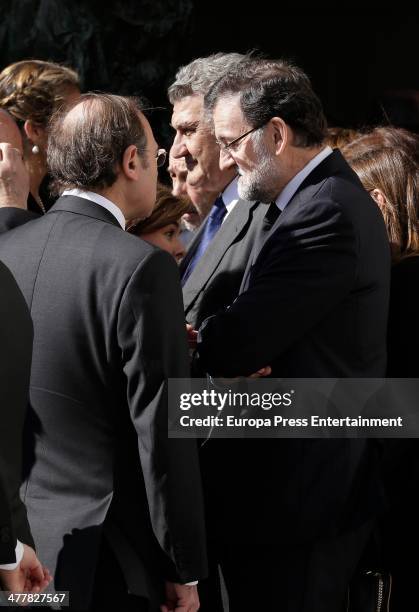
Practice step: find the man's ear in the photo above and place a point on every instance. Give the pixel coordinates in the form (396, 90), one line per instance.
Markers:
(130, 162)
(281, 134)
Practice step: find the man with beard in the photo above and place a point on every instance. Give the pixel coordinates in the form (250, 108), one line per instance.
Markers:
(213, 267)
(226, 237)
(293, 521)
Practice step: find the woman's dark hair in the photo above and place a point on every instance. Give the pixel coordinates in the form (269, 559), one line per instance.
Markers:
(168, 209)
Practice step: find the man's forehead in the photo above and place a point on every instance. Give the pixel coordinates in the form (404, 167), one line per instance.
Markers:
(151, 141)
(227, 115)
(227, 109)
(187, 109)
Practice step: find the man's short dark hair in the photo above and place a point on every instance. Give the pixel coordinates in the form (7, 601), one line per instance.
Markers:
(273, 88)
(85, 148)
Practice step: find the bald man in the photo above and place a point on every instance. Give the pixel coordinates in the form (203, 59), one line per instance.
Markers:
(115, 506)
(14, 178)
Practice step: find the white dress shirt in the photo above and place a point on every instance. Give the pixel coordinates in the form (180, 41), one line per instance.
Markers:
(98, 199)
(291, 187)
(230, 196)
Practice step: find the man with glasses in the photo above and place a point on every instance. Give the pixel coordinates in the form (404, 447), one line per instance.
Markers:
(114, 506)
(294, 514)
(213, 267)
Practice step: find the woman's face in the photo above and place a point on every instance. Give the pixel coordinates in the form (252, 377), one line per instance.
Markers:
(168, 239)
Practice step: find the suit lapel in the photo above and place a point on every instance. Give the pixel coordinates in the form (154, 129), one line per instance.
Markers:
(206, 266)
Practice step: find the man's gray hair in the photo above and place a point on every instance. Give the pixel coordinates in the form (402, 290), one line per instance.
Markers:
(200, 75)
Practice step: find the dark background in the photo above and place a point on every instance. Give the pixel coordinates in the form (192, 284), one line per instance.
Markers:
(356, 61)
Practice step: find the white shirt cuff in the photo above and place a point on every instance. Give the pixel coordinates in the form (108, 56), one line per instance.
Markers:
(194, 583)
(18, 554)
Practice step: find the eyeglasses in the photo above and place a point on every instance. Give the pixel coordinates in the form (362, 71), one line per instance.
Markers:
(232, 145)
(161, 157)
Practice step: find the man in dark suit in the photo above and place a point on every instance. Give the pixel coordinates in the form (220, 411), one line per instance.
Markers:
(14, 178)
(212, 281)
(114, 505)
(224, 230)
(295, 514)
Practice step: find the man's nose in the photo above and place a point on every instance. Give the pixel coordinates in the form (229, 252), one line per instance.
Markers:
(226, 161)
(179, 250)
(179, 148)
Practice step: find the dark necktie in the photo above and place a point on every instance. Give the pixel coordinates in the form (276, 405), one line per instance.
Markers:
(212, 225)
(260, 238)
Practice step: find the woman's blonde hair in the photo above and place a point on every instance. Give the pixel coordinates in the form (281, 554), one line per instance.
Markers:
(34, 89)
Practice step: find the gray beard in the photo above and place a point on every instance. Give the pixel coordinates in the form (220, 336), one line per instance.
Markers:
(261, 184)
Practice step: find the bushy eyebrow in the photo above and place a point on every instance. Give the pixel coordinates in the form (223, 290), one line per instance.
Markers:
(185, 125)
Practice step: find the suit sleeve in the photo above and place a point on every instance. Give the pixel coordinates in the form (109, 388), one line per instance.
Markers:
(152, 336)
(16, 336)
(303, 271)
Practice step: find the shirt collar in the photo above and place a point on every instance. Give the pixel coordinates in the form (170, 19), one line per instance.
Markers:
(291, 187)
(230, 195)
(98, 199)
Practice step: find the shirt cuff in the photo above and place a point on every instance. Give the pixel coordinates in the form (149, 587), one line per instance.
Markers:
(194, 583)
(18, 554)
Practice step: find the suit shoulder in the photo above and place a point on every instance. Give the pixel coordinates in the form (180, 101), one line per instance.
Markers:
(124, 251)
(133, 250)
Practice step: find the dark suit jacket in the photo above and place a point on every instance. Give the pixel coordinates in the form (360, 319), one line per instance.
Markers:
(11, 217)
(109, 332)
(16, 334)
(216, 278)
(315, 305)
(403, 336)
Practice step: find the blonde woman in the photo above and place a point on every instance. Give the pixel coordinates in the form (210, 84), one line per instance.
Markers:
(31, 90)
